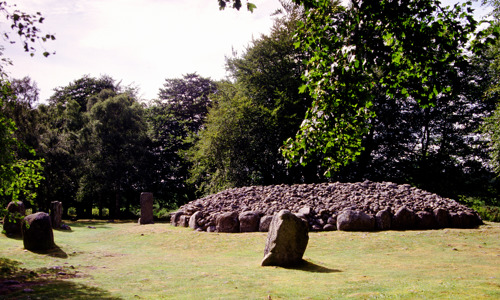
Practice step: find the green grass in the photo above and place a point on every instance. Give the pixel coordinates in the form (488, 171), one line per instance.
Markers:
(129, 261)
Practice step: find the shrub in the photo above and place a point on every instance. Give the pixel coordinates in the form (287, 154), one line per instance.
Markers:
(487, 212)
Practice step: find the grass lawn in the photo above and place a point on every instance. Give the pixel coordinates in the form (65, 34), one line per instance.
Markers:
(130, 261)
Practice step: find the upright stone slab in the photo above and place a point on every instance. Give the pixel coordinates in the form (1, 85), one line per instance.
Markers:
(176, 217)
(12, 222)
(383, 219)
(228, 222)
(404, 219)
(265, 222)
(442, 217)
(286, 240)
(193, 220)
(56, 210)
(249, 221)
(37, 232)
(146, 209)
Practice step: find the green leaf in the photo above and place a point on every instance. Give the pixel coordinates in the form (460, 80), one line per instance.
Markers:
(251, 6)
(302, 88)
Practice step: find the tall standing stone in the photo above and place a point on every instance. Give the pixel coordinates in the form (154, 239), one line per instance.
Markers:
(56, 210)
(146, 208)
(12, 223)
(37, 232)
(286, 240)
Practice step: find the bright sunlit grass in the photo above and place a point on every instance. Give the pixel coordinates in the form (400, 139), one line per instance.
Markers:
(130, 261)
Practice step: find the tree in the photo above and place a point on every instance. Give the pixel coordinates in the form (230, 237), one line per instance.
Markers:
(189, 98)
(413, 50)
(236, 4)
(25, 27)
(252, 116)
(19, 177)
(116, 146)
(491, 126)
(269, 74)
(174, 121)
(232, 150)
(81, 90)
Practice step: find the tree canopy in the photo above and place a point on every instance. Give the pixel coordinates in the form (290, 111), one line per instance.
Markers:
(414, 49)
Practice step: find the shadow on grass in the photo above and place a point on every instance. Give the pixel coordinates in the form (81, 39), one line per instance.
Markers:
(44, 283)
(18, 237)
(308, 266)
(88, 224)
(54, 252)
(56, 289)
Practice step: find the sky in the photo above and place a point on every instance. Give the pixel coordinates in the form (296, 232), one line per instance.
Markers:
(138, 42)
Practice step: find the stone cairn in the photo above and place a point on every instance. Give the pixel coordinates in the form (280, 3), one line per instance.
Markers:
(362, 206)
(146, 209)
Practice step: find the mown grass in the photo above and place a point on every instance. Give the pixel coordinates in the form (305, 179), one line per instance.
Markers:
(129, 261)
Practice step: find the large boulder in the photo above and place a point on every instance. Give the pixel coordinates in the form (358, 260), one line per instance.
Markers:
(286, 240)
(464, 219)
(249, 221)
(146, 208)
(442, 217)
(383, 219)
(404, 219)
(351, 220)
(56, 210)
(37, 232)
(12, 222)
(175, 218)
(265, 222)
(183, 221)
(228, 222)
(193, 220)
(426, 220)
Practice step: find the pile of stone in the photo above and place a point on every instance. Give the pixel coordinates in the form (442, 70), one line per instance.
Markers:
(362, 206)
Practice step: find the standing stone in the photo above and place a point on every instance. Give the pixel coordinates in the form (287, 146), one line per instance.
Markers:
(404, 219)
(37, 232)
(228, 222)
(464, 219)
(249, 221)
(193, 220)
(383, 219)
(286, 241)
(12, 223)
(175, 217)
(426, 220)
(56, 210)
(265, 222)
(146, 209)
(442, 217)
(184, 221)
(351, 220)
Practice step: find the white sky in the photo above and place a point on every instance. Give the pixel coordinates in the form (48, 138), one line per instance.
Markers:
(138, 42)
